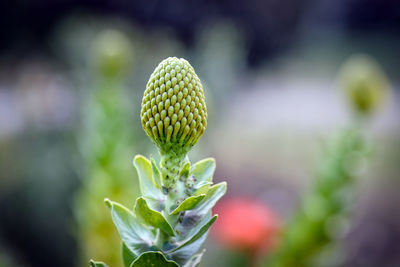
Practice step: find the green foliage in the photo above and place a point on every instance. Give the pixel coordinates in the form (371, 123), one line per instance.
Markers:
(323, 210)
(170, 221)
(106, 140)
(171, 225)
(153, 259)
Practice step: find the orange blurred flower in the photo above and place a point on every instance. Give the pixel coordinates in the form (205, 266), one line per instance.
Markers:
(247, 225)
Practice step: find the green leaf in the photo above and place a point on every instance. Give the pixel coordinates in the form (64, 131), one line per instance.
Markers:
(185, 170)
(148, 186)
(189, 229)
(213, 195)
(204, 170)
(136, 237)
(188, 204)
(97, 264)
(156, 173)
(202, 188)
(195, 260)
(153, 259)
(202, 231)
(152, 217)
(127, 256)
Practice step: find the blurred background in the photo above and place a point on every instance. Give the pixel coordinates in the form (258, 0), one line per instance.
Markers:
(72, 75)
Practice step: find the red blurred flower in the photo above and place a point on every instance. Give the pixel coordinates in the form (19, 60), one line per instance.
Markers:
(247, 225)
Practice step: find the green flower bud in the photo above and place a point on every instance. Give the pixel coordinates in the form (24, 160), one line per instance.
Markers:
(364, 82)
(111, 53)
(174, 113)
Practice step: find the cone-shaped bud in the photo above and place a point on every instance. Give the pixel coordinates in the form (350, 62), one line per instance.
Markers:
(364, 82)
(174, 113)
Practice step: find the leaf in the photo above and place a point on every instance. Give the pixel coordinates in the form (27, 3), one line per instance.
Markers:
(127, 256)
(202, 188)
(203, 170)
(148, 186)
(203, 230)
(97, 264)
(213, 195)
(136, 237)
(156, 173)
(184, 254)
(192, 218)
(195, 260)
(185, 170)
(153, 259)
(188, 204)
(152, 217)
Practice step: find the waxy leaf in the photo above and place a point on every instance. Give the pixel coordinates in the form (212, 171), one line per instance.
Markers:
(152, 217)
(97, 264)
(214, 193)
(203, 170)
(127, 256)
(156, 173)
(185, 170)
(195, 260)
(200, 233)
(148, 186)
(153, 259)
(184, 254)
(188, 204)
(136, 237)
(202, 188)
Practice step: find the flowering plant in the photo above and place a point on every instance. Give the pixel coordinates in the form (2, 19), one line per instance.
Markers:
(170, 221)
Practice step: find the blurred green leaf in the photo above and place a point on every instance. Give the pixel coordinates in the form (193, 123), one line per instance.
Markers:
(188, 204)
(136, 237)
(153, 259)
(152, 217)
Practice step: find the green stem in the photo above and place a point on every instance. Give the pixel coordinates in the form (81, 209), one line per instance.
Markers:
(171, 165)
(161, 238)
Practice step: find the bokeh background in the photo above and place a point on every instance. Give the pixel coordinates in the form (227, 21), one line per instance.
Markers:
(70, 126)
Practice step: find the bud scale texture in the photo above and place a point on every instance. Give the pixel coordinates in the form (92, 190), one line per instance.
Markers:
(174, 113)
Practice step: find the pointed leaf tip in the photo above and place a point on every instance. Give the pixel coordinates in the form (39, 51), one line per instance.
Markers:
(153, 259)
(188, 204)
(97, 264)
(148, 186)
(108, 203)
(152, 217)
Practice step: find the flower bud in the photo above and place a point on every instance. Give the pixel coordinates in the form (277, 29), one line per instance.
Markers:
(174, 113)
(364, 82)
(112, 53)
